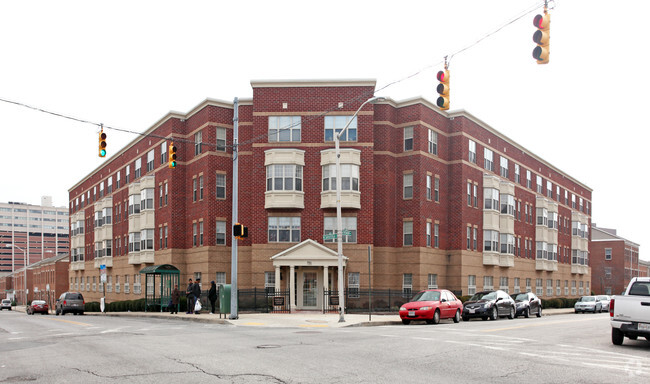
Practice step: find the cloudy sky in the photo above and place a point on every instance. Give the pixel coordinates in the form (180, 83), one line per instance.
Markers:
(127, 63)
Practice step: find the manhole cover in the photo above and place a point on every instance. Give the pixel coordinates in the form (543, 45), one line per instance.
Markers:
(266, 346)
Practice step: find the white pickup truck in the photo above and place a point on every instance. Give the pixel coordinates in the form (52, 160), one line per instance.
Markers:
(630, 313)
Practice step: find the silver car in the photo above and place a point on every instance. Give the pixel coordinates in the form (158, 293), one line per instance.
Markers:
(588, 304)
(6, 304)
(604, 301)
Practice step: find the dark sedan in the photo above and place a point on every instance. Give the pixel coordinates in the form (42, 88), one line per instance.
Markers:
(527, 303)
(38, 306)
(489, 305)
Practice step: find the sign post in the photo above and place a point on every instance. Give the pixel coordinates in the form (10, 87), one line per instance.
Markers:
(102, 278)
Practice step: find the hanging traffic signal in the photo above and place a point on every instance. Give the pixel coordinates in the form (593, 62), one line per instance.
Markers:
(240, 231)
(542, 37)
(443, 89)
(102, 144)
(172, 155)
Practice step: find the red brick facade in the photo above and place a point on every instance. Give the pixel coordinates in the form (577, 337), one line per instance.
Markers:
(614, 261)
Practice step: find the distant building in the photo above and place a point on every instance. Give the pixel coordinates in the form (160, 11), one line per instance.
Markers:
(614, 261)
(41, 229)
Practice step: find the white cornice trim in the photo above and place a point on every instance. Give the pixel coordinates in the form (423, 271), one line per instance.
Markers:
(313, 83)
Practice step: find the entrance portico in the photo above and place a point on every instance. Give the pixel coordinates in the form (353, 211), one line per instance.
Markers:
(311, 268)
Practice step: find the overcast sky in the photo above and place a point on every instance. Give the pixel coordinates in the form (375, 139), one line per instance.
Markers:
(127, 63)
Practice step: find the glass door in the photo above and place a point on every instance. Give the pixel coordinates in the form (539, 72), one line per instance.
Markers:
(309, 289)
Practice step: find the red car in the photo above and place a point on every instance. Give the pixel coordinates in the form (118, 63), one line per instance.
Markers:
(431, 306)
(38, 306)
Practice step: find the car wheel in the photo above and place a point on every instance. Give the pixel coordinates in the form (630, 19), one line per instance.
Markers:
(457, 316)
(512, 313)
(465, 318)
(81, 313)
(617, 336)
(539, 311)
(62, 312)
(494, 314)
(527, 312)
(436, 317)
(406, 322)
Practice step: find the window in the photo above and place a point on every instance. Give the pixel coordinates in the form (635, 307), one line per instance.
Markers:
(407, 229)
(574, 290)
(407, 285)
(436, 235)
(528, 287)
(503, 284)
(166, 192)
(471, 284)
(552, 220)
(221, 233)
(542, 216)
(469, 193)
(558, 287)
(429, 235)
(134, 241)
(491, 198)
(516, 288)
(608, 272)
(504, 167)
(469, 237)
(160, 197)
(134, 204)
(221, 186)
(557, 193)
(408, 185)
(582, 289)
(472, 151)
(517, 175)
(349, 177)
(539, 184)
(488, 159)
(221, 139)
(201, 233)
(110, 185)
(194, 189)
(508, 243)
(146, 239)
(166, 235)
(475, 196)
(549, 189)
(201, 187)
(529, 181)
(146, 198)
(163, 153)
(428, 187)
(101, 189)
(539, 289)
(198, 141)
(107, 213)
(150, 157)
(138, 167)
(269, 282)
(160, 244)
(349, 224)
(284, 177)
(488, 282)
(508, 205)
(608, 253)
(542, 250)
(475, 240)
(284, 128)
(220, 278)
(353, 284)
(433, 142)
(549, 287)
(284, 229)
(490, 241)
(433, 281)
(194, 234)
(573, 201)
(436, 189)
(408, 138)
(117, 181)
(335, 124)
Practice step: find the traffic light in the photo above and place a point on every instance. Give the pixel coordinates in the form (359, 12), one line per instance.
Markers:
(172, 155)
(443, 89)
(542, 37)
(102, 144)
(240, 231)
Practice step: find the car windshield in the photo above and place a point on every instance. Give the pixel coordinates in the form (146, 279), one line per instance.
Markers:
(587, 298)
(520, 297)
(6, 301)
(484, 296)
(427, 296)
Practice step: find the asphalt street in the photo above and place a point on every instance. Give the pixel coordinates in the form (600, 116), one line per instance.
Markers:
(98, 349)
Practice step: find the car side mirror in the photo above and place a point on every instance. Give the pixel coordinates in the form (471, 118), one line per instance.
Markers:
(498, 299)
(443, 300)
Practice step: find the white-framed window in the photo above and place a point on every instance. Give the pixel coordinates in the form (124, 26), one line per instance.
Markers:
(433, 281)
(469, 193)
(549, 189)
(221, 233)
(407, 285)
(573, 201)
(491, 198)
(284, 177)
(516, 288)
(508, 243)
(517, 174)
(284, 128)
(221, 185)
(201, 187)
(503, 284)
(436, 235)
(117, 283)
(109, 283)
(542, 250)
(471, 284)
(558, 287)
(475, 196)
(353, 284)
(490, 241)
(146, 239)
(580, 206)
(335, 124)
(553, 220)
(488, 283)
(95, 284)
(429, 235)
(349, 224)
(539, 289)
(529, 180)
(549, 287)
(488, 157)
(408, 185)
(608, 253)
(507, 204)
(436, 189)
(137, 287)
(146, 198)
(269, 282)
(472, 151)
(101, 189)
(528, 286)
(138, 168)
(127, 286)
(108, 248)
(349, 177)
(557, 193)
(221, 139)
(542, 216)
(566, 287)
(504, 167)
(200, 233)
(163, 153)
(194, 234)
(82, 283)
(539, 184)
(469, 237)
(198, 142)
(194, 189)
(408, 138)
(475, 239)
(150, 157)
(134, 204)
(117, 180)
(574, 289)
(220, 278)
(433, 142)
(110, 185)
(284, 229)
(407, 230)
(134, 241)
(428, 187)
(582, 288)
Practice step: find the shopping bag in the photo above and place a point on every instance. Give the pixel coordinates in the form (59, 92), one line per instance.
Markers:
(197, 306)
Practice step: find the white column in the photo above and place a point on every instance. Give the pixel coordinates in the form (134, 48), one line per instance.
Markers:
(325, 279)
(292, 289)
(278, 286)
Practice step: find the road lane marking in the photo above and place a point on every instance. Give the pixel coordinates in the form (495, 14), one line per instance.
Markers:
(15, 338)
(253, 324)
(71, 322)
(536, 325)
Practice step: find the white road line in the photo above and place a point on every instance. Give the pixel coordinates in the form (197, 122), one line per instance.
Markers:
(15, 338)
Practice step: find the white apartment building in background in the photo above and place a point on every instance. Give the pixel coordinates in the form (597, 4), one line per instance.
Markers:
(30, 233)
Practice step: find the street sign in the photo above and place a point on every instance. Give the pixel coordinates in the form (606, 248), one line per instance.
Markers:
(347, 232)
(329, 236)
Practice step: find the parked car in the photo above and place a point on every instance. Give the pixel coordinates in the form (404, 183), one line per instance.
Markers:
(629, 314)
(432, 305)
(527, 303)
(604, 301)
(70, 302)
(6, 304)
(38, 306)
(489, 304)
(588, 304)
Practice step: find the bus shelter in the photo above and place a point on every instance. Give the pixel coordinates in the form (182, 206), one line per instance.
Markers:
(159, 284)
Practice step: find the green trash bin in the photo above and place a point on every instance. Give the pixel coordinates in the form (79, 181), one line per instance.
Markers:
(224, 298)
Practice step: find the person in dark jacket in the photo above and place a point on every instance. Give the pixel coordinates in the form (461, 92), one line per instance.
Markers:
(196, 289)
(212, 295)
(189, 293)
(176, 297)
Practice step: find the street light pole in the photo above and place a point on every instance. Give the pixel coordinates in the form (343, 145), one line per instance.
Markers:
(339, 219)
(24, 269)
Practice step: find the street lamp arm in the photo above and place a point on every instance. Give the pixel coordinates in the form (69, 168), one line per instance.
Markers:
(371, 100)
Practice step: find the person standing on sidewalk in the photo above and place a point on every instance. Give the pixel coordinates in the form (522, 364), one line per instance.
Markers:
(197, 293)
(212, 295)
(176, 297)
(189, 293)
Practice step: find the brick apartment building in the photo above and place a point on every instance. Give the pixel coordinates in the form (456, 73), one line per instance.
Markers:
(443, 199)
(614, 261)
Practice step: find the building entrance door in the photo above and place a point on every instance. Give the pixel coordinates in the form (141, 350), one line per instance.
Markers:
(310, 290)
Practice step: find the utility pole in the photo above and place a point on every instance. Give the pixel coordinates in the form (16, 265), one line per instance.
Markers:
(234, 314)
